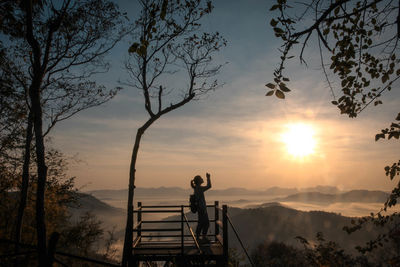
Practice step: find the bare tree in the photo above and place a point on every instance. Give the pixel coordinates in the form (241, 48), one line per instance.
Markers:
(168, 43)
(53, 49)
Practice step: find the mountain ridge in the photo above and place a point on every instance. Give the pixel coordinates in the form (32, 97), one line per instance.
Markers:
(365, 196)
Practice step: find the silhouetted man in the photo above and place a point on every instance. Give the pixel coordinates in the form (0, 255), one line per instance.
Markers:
(203, 221)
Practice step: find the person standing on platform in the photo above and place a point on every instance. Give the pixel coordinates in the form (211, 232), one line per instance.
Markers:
(203, 221)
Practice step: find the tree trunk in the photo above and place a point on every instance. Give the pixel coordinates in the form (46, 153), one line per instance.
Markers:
(36, 109)
(131, 192)
(24, 182)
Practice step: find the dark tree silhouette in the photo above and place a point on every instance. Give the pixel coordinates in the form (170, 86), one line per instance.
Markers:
(168, 40)
(80, 236)
(359, 37)
(358, 44)
(52, 50)
(362, 40)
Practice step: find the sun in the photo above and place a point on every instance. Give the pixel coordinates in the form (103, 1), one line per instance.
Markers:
(299, 139)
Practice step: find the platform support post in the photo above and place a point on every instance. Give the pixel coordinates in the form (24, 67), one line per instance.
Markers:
(216, 215)
(139, 219)
(182, 231)
(225, 233)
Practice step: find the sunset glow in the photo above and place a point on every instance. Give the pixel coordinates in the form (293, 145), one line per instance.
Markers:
(242, 137)
(299, 139)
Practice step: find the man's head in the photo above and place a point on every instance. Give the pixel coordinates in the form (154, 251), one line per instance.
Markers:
(198, 180)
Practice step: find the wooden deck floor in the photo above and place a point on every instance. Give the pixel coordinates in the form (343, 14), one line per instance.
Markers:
(167, 250)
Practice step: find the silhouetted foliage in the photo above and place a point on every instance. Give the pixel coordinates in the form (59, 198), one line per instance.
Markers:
(81, 236)
(361, 41)
(320, 253)
(277, 254)
(235, 257)
(49, 53)
(360, 38)
(12, 118)
(325, 253)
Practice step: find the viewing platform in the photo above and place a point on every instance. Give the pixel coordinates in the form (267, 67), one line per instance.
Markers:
(172, 240)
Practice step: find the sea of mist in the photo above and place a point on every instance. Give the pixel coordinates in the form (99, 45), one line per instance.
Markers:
(177, 196)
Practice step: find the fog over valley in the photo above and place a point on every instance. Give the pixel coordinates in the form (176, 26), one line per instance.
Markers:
(280, 214)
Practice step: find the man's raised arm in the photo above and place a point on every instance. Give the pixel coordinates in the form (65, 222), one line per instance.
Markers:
(208, 186)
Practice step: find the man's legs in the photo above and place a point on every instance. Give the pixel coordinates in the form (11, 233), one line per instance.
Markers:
(206, 224)
(199, 225)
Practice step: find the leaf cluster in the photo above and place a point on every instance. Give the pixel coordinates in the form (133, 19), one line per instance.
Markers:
(358, 37)
(391, 170)
(279, 89)
(392, 132)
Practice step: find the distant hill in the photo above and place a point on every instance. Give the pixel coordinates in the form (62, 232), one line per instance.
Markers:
(110, 216)
(322, 189)
(88, 202)
(278, 223)
(109, 194)
(364, 196)
(265, 205)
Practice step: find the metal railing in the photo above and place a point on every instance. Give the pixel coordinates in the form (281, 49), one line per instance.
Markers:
(191, 232)
(177, 231)
(142, 226)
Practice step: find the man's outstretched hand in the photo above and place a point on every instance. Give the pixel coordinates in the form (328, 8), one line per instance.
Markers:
(208, 175)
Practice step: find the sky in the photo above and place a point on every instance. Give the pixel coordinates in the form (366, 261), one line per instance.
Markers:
(235, 133)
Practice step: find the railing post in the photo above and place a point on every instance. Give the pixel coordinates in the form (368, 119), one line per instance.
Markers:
(139, 220)
(182, 230)
(225, 233)
(216, 219)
